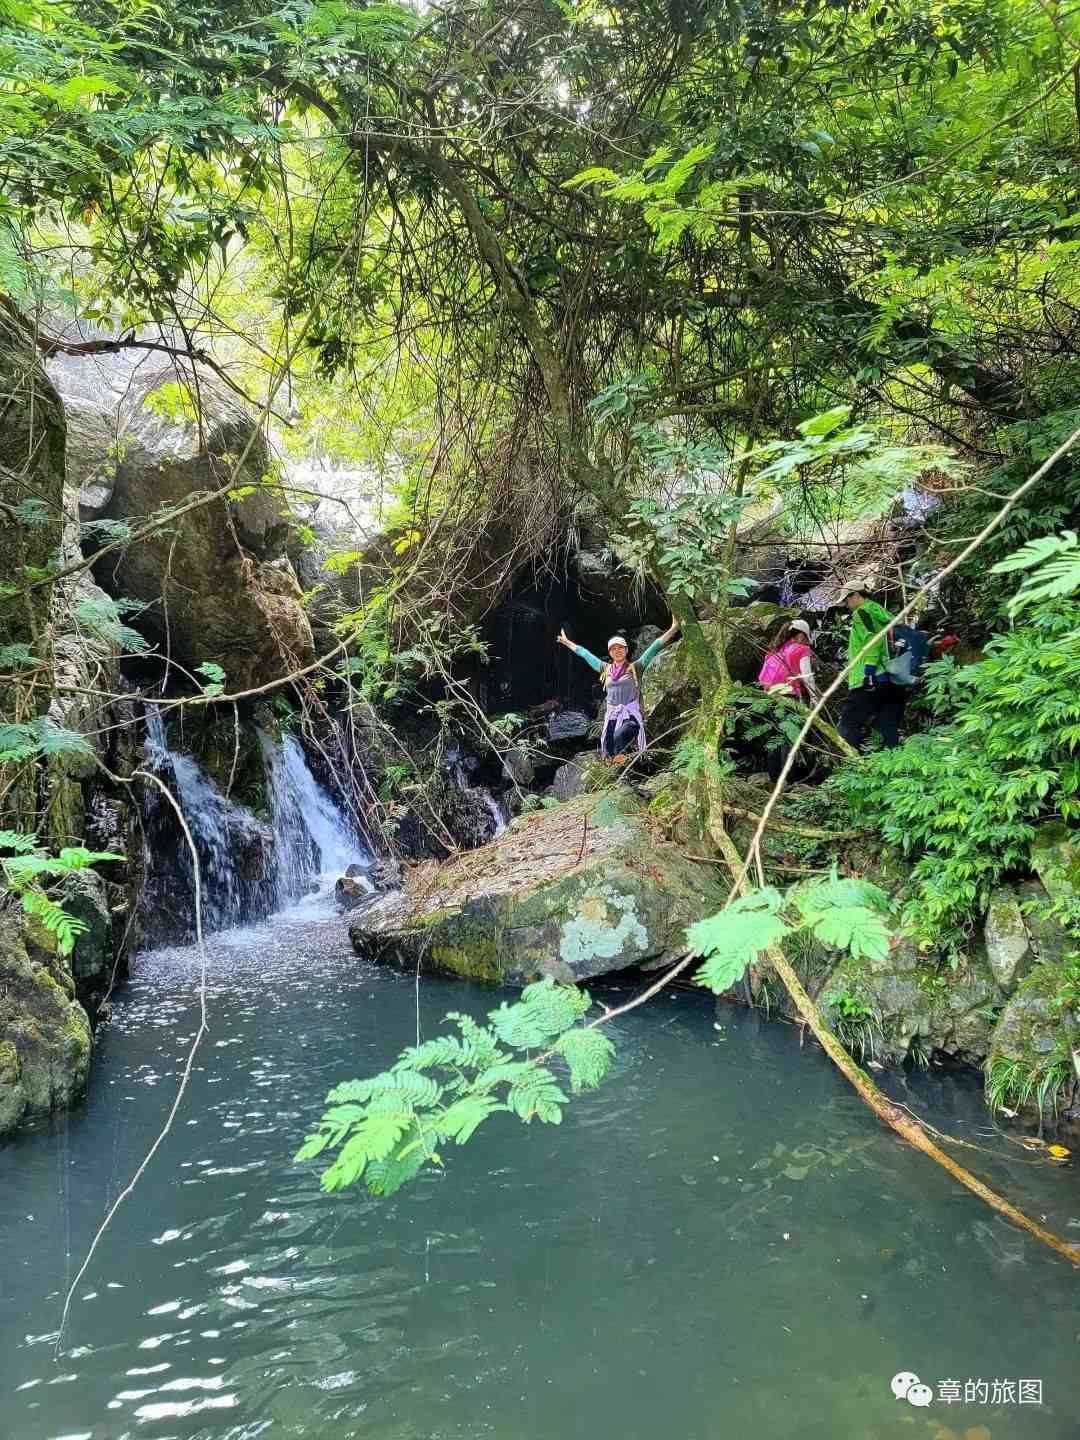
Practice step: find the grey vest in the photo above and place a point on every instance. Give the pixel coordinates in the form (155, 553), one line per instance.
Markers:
(623, 691)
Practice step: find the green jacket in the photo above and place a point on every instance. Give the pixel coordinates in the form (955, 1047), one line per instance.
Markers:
(866, 621)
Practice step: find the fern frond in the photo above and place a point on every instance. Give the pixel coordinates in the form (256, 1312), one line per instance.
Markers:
(588, 1053)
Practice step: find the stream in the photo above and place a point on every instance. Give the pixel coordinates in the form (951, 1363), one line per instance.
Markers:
(720, 1241)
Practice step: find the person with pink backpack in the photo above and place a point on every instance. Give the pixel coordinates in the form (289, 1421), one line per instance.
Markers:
(788, 670)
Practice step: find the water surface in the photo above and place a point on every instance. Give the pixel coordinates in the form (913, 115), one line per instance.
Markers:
(720, 1242)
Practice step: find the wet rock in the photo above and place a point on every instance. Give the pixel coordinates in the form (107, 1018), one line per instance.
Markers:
(571, 892)
(84, 894)
(45, 1040)
(352, 891)
(920, 1006)
(1035, 1036)
(1009, 951)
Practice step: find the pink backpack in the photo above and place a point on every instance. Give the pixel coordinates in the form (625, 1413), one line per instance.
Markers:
(782, 666)
(774, 671)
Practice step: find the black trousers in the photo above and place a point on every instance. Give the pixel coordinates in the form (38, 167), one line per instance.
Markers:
(618, 738)
(881, 706)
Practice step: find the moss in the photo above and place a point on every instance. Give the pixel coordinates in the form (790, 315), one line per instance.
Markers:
(1055, 857)
(478, 961)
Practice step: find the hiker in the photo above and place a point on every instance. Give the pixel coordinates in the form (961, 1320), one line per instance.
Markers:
(788, 669)
(874, 697)
(624, 723)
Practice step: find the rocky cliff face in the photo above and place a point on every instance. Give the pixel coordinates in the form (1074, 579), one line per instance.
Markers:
(215, 584)
(56, 647)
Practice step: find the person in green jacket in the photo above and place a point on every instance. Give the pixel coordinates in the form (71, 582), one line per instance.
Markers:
(873, 699)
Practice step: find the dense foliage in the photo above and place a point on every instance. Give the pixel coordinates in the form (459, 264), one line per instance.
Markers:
(962, 798)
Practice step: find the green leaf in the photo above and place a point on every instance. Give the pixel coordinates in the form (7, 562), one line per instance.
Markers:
(854, 928)
(735, 937)
(589, 1053)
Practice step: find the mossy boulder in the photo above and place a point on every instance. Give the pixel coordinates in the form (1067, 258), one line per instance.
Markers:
(217, 584)
(572, 892)
(45, 1041)
(85, 894)
(1035, 1040)
(920, 1005)
(1055, 858)
(1009, 951)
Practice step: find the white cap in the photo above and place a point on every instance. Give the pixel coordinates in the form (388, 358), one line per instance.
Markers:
(617, 640)
(853, 587)
(800, 625)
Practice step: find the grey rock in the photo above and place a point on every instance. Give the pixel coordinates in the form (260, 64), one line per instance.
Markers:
(1055, 858)
(568, 725)
(352, 892)
(570, 779)
(1033, 1032)
(1009, 951)
(913, 1000)
(571, 892)
(91, 454)
(45, 1043)
(518, 767)
(385, 873)
(1050, 941)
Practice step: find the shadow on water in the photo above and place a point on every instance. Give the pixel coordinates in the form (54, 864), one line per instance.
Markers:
(719, 1242)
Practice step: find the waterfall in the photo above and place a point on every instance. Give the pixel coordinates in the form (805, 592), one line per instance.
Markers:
(235, 850)
(484, 805)
(248, 868)
(314, 843)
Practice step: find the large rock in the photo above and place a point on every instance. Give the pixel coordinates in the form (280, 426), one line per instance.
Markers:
(91, 454)
(572, 892)
(1034, 1045)
(742, 635)
(84, 894)
(1009, 951)
(1055, 858)
(921, 1007)
(44, 1032)
(571, 779)
(217, 582)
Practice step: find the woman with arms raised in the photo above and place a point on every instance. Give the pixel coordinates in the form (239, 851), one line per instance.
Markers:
(624, 722)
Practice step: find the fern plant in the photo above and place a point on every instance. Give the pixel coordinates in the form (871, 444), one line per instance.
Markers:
(964, 798)
(26, 874)
(389, 1128)
(40, 737)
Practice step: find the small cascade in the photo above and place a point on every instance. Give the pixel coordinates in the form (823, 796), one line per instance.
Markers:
(237, 867)
(314, 842)
(248, 869)
(487, 810)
